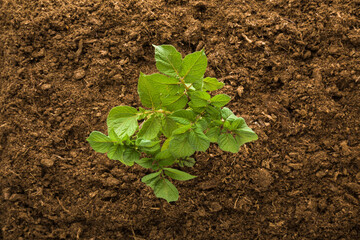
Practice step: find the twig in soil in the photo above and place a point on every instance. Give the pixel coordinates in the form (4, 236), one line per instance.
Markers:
(62, 206)
(236, 202)
(132, 230)
(59, 157)
(154, 208)
(78, 233)
(246, 38)
(79, 51)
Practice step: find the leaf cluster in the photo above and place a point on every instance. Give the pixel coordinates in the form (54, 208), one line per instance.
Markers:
(179, 117)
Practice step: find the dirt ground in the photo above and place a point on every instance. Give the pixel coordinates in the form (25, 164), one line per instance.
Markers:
(291, 67)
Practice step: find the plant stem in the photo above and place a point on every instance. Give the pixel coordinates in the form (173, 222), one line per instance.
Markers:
(183, 83)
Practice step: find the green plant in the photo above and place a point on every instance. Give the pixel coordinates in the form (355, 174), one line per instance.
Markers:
(181, 117)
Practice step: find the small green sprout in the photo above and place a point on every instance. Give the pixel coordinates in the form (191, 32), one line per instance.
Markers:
(180, 117)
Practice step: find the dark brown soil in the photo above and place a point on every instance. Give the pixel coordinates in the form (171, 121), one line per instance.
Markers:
(292, 69)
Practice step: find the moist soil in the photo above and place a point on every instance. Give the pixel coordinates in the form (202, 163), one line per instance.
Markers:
(291, 67)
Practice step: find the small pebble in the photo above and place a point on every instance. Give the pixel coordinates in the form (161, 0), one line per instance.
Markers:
(47, 162)
(109, 194)
(118, 77)
(240, 90)
(262, 178)
(260, 43)
(215, 207)
(93, 194)
(111, 181)
(6, 193)
(34, 134)
(307, 55)
(73, 153)
(79, 74)
(40, 53)
(321, 174)
(45, 86)
(317, 74)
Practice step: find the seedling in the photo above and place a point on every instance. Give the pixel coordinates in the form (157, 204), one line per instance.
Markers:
(180, 117)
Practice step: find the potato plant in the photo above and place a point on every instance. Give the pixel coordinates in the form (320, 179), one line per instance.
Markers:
(179, 118)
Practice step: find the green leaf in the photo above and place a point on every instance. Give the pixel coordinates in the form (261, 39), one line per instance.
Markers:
(149, 91)
(161, 79)
(150, 128)
(177, 174)
(120, 112)
(145, 162)
(213, 134)
(183, 116)
(227, 125)
(168, 60)
(182, 129)
(198, 85)
(212, 84)
(130, 156)
(113, 136)
(183, 113)
(198, 140)
(194, 67)
(168, 126)
(213, 112)
(188, 162)
(165, 85)
(220, 100)
(199, 99)
(166, 144)
(228, 143)
(151, 150)
(193, 106)
(127, 128)
(163, 155)
(165, 158)
(166, 190)
(148, 146)
(174, 102)
(152, 88)
(116, 153)
(245, 134)
(202, 124)
(226, 112)
(100, 142)
(172, 89)
(200, 95)
(146, 143)
(123, 119)
(180, 146)
(166, 162)
(151, 179)
(236, 123)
